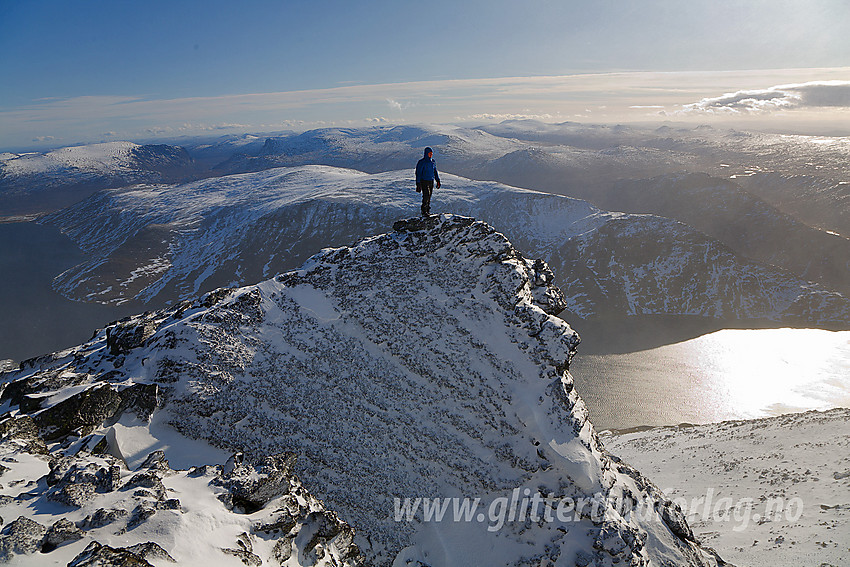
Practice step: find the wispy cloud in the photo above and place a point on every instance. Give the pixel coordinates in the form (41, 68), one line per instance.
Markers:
(815, 94)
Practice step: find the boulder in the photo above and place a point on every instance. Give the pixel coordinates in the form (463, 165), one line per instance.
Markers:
(25, 430)
(21, 537)
(251, 487)
(61, 532)
(97, 555)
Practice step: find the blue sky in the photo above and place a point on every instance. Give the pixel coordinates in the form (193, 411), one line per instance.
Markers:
(89, 70)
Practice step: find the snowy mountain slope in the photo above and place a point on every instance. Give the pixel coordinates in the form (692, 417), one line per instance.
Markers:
(210, 152)
(764, 492)
(751, 227)
(699, 149)
(592, 161)
(74, 507)
(41, 181)
(109, 158)
(819, 202)
(161, 243)
(803, 176)
(425, 363)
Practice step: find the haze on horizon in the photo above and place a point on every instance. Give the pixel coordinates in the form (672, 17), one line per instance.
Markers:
(103, 71)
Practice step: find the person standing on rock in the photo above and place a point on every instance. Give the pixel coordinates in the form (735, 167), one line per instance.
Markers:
(426, 175)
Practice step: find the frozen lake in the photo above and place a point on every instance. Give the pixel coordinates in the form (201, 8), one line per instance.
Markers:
(726, 374)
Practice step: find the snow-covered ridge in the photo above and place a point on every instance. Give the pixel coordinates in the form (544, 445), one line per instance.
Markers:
(110, 164)
(427, 362)
(237, 229)
(109, 157)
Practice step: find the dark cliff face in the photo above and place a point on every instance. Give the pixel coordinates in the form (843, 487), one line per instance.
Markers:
(424, 362)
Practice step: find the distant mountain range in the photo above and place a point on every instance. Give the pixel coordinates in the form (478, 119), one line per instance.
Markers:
(749, 219)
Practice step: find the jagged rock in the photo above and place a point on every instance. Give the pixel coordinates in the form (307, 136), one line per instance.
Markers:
(127, 335)
(246, 557)
(282, 524)
(141, 513)
(88, 409)
(149, 479)
(97, 555)
(204, 470)
(282, 550)
(151, 550)
(85, 411)
(71, 480)
(170, 504)
(24, 429)
(215, 296)
(102, 517)
(59, 467)
(673, 516)
(75, 495)
(252, 487)
(245, 551)
(324, 527)
(21, 537)
(142, 399)
(101, 447)
(155, 461)
(62, 531)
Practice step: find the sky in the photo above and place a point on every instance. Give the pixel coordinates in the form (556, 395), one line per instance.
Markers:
(91, 70)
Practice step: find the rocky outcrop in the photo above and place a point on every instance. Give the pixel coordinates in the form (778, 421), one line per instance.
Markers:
(284, 512)
(23, 536)
(97, 555)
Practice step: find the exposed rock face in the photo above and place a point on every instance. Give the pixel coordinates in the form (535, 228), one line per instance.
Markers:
(426, 363)
(24, 432)
(63, 531)
(97, 555)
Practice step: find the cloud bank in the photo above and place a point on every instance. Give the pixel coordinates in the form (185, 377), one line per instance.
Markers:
(811, 95)
(600, 98)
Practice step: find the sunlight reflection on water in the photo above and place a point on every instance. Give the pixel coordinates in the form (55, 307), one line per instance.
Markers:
(728, 374)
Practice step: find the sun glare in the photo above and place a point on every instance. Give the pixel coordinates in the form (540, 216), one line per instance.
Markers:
(774, 371)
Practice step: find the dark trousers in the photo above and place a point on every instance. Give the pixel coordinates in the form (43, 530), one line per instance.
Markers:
(427, 188)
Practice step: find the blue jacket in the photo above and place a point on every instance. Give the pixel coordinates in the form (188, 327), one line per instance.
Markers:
(426, 170)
